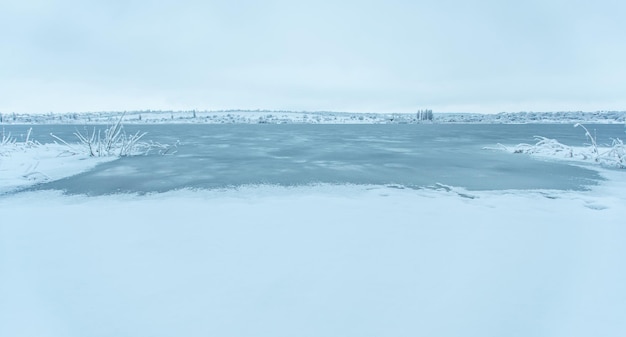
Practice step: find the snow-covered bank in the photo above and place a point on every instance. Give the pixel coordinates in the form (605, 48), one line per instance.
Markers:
(28, 162)
(315, 261)
(23, 165)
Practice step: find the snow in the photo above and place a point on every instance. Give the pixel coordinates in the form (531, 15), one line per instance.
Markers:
(23, 165)
(314, 261)
(307, 261)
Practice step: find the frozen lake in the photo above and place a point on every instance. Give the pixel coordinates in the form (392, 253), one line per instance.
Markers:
(413, 156)
(371, 251)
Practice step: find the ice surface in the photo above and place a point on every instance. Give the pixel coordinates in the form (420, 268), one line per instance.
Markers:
(221, 156)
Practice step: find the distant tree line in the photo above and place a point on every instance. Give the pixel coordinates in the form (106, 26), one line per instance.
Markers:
(424, 115)
(6, 118)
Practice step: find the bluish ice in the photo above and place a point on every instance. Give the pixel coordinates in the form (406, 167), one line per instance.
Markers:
(413, 156)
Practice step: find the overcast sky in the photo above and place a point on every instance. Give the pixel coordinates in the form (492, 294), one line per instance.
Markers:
(370, 56)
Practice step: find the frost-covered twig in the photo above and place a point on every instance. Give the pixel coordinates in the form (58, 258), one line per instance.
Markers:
(594, 144)
(65, 143)
(617, 154)
(499, 147)
(10, 143)
(6, 139)
(545, 146)
(163, 149)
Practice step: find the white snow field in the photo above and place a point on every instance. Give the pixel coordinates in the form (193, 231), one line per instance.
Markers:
(309, 261)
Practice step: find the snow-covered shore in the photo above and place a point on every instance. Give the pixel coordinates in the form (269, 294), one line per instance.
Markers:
(315, 261)
(23, 165)
(323, 117)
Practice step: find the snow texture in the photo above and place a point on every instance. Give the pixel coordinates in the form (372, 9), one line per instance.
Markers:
(315, 261)
(23, 165)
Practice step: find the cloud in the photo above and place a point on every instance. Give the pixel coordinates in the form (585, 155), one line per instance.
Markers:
(322, 55)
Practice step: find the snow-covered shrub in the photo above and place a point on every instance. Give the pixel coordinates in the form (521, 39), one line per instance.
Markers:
(545, 146)
(617, 154)
(10, 143)
(612, 156)
(114, 141)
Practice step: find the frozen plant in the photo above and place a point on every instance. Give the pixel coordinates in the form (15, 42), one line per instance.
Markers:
(617, 154)
(545, 146)
(163, 149)
(29, 142)
(114, 141)
(594, 144)
(612, 156)
(6, 139)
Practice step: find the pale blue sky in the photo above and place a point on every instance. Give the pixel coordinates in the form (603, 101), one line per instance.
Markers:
(374, 56)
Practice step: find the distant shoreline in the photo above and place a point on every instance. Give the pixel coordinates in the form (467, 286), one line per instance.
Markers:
(321, 117)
